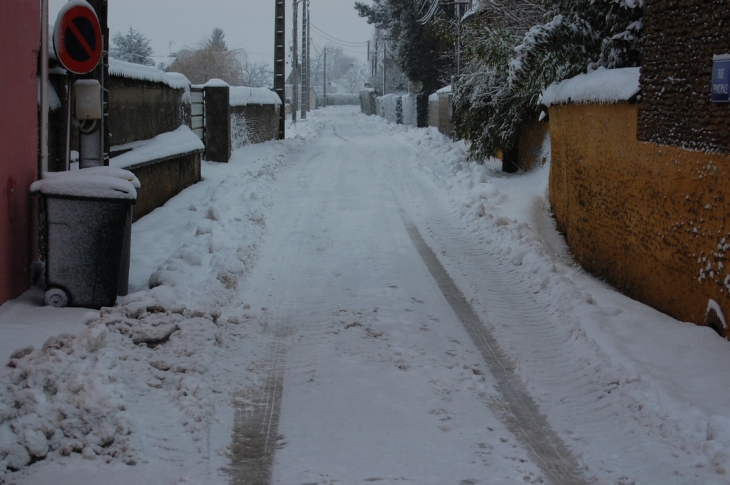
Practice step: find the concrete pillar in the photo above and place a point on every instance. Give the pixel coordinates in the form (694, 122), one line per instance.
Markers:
(217, 123)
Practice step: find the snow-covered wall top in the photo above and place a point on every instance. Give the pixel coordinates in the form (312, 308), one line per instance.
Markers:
(242, 96)
(169, 144)
(146, 73)
(600, 86)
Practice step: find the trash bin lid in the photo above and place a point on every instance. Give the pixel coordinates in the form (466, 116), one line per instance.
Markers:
(83, 185)
(108, 171)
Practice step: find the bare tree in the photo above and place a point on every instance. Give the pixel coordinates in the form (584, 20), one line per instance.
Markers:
(354, 79)
(211, 60)
(258, 75)
(338, 64)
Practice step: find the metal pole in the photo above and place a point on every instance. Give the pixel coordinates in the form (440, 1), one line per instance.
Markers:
(324, 81)
(305, 74)
(280, 63)
(295, 64)
(385, 58)
(44, 88)
(309, 60)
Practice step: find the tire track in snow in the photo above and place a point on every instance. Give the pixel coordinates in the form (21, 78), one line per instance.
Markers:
(564, 367)
(255, 436)
(516, 408)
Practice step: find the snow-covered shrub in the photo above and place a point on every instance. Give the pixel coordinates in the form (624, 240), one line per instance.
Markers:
(509, 64)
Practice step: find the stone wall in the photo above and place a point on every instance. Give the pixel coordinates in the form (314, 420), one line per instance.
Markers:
(653, 221)
(140, 110)
(254, 123)
(676, 74)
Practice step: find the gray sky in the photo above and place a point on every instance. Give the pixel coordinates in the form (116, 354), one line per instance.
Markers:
(248, 24)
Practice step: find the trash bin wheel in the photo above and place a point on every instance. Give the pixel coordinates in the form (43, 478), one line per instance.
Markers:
(56, 297)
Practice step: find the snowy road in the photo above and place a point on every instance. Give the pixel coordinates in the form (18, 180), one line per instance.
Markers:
(381, 380)
(359, 304)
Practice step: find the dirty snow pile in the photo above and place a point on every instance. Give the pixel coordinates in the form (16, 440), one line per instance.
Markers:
(145, 364)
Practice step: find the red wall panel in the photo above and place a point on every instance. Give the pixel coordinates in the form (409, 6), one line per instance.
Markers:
(19, 46)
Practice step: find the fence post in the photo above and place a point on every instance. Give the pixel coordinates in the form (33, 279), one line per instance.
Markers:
(217, 123)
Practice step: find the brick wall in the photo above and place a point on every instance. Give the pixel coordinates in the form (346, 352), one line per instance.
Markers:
(653, 221)
(680, 39)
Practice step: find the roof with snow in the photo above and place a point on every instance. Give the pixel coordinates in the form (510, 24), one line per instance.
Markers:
(599, 86)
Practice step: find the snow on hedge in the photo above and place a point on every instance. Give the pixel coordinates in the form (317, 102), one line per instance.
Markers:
(600, 86)
(243, 96)
(169, 144)
(146, 73)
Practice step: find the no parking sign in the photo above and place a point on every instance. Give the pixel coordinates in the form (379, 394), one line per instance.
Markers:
(77, 37)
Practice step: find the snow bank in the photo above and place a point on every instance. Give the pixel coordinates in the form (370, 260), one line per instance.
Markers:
(243, 96)
(138, 385)
(169, 144)
(146, 73)
(600, 86)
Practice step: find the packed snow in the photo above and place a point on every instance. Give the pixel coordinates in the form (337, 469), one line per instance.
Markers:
(243, 96)
(165, 145)
(299, 248)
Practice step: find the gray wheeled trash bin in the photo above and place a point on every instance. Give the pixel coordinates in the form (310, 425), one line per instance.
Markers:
(86, 218)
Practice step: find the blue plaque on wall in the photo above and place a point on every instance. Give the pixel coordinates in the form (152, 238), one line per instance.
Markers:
(721, 78)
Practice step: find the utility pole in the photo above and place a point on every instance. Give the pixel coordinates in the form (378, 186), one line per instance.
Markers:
(309, 59)
(375, 60)
(305, 58)
(295, 64)
(458, 38)
(280, 63)
(385, 58)
(324, 81)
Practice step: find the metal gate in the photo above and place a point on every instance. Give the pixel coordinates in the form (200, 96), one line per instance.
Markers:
(197, 111)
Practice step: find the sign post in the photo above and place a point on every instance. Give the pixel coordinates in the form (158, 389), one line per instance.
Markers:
(77, 38)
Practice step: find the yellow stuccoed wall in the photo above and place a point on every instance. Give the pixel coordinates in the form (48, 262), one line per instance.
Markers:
(653, 221)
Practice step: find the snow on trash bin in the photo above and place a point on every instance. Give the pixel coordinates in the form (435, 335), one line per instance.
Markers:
(86, 214)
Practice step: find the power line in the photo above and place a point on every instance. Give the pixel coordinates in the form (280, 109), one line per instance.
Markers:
(347, 48)
(335, 39)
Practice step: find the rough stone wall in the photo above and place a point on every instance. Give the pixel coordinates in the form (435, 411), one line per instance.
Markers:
(680, 39)
(140, 110)
(254, 123)
(163, 179)
(653, 221)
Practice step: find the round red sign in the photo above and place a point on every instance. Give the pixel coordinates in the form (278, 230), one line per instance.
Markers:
(77, 39)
